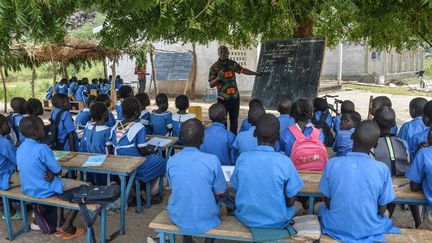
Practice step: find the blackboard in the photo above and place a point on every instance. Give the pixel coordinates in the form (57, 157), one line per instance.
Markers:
(172, 66)
(290, 68)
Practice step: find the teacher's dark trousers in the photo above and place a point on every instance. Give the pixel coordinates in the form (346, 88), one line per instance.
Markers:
(232, 108)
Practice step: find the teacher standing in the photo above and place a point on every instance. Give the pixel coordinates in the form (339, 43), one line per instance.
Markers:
(222, 76)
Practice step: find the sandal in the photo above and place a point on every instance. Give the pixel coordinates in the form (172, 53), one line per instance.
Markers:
(78, 233)
(59, 234)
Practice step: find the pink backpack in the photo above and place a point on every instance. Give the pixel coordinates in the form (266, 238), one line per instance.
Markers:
(308, 153)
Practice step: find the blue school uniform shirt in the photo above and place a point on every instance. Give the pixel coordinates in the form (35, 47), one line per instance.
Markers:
(416, 140)
(118, 84)
(409, 129)
(95, 139)
(194, 177)
(329, 119)
(111, 120)
(343, 142)
(287, 139)
(49, 93)
(356, 185)
(129, 143)
(420, 171)
(263, 178)
(218, 141)
(119, 110)
(34, 159)
(285, 121)
(178, 120)
(145, 120)
(65, 127)
(7, 162)
(245, 141)
(80, 94)
(161, 123)
(82, 118)
(73, 87)
(336, 123)
(245, 125)
(104, 89)
(93, 86)
(62, 88)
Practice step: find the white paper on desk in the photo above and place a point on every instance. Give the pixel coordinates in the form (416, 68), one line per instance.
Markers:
(159, 142)
(95, 160)
(228, 171)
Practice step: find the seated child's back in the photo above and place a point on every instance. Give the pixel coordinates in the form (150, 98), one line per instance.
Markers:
(182, 104)
(66, 128)
(357, 190)
(246, 141)
(96, 135)
(217, 139)
(265, 201)
(18, 106)
(7, 154)
(161, 119)
(84, 115)
(416, 125)
(197, 183)
(284, 109)
(245, 124)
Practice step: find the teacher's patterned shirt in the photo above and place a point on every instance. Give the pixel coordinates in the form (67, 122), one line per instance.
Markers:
(227, 85)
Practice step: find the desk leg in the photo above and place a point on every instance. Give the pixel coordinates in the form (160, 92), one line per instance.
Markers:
(172, 238)
(161, 186)
(8, 218)
(138, 196)
(169, 151)
(89, 235)
(103, 226)
(123, 201)
(162, 237)
(148, 194)
(26, 226)
(311, 204)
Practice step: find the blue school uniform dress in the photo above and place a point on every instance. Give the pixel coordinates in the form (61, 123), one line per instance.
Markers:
(111, 120)
(329, 119)
(73, 87)
(62, 88)
(260, 200)
(285, 121)
(245, 125)
(178, 120)
(14, 122)
(7, 162)
(420, 171)
(81, 94)
(34, 159)
(49, 93)
(218, 141)
(337, 123)
(194, 177)
(128, 141)
(356, 185)
(104, 89)
(82, 118)
(161, 123)
(287, 139)
(119, 110)
(416, 140)
(65, 127)
(343, 142)
(145, 120)
(409, 129)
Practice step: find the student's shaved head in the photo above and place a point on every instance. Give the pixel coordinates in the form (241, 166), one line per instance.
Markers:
(192, 133)
(347, 106)
(255, 114)
(427, 113)
(416, 106)
(267, 130)
(378, 102)
(284, 106)
(385, 118)
(32, 127)
(365, 136)
(217, 113)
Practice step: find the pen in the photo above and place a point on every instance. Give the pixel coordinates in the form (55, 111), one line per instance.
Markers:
(402, 185)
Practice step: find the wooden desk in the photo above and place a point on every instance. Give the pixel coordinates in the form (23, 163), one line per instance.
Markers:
(122, 166)
(400, 185)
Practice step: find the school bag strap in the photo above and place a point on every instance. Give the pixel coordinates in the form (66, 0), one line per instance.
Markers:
(390, 148)
(296, 131)
(54, 129)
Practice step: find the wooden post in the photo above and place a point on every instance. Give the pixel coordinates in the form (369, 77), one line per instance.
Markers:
(64, 70)
(153, 78)
(194, 70)
(4, 89)
(53, 64)
(105, 66)
(113, 90)
(33, 79)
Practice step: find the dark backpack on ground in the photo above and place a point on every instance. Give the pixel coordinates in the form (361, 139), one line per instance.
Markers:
(51, 133)
(392, 151)
(85, 194)
(325, 128)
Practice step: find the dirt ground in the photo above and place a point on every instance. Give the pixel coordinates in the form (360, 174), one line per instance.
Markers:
(137, 224)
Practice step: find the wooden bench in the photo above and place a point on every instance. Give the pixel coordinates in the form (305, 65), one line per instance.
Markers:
(232, 229)
(14, 193)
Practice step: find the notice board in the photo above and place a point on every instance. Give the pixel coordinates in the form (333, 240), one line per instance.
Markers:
(291, 68)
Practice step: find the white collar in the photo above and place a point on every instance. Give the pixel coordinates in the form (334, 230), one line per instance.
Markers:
(182, 117)
(132, 131)
(100, 128)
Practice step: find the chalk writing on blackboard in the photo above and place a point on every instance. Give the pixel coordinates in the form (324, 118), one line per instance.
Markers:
(172, 66)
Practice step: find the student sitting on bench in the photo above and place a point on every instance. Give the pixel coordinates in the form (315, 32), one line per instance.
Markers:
(34, 107)
(357, 190)
(197, 184)
(245, 124)
(39, 171)
(266, 181)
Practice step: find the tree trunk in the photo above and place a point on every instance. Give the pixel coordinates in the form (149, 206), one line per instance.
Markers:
(33, 79)
(194, 70)
(304, 27)
(4, 89)
(113, 90)
(64, 70)
(53, 70)
(105, 66)
(153, 78)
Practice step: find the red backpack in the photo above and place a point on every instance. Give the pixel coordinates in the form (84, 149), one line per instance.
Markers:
(308, 153)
